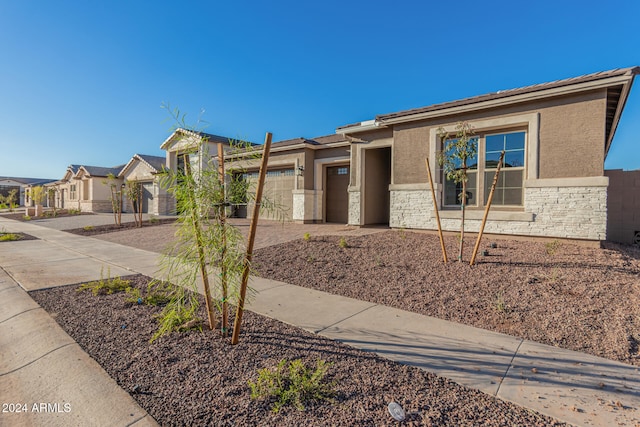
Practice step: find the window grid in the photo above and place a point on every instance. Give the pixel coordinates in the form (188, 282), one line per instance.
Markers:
(509, 189)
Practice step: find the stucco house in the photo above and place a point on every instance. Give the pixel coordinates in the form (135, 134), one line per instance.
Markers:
(144, 169)
(85, 188)
(306, 178)
(556, 136)
(20, 185)
(88, 188)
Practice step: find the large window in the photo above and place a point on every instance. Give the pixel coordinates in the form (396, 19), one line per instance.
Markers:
(508, 191)
(72, 192)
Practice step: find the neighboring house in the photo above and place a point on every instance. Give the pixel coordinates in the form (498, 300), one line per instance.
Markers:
(143, 169)
(8, 183)
(556, 136)
(306, 178)
(85, 188)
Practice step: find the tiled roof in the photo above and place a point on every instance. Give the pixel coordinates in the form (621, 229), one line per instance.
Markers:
(27, 181)
(101, 171)
(155, 162)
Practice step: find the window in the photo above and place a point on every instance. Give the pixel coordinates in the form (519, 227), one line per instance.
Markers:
(509, 188)
(72, 192)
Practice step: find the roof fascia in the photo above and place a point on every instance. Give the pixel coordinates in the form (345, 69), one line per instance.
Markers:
(624, 94)
(514, 99)
(378, 123)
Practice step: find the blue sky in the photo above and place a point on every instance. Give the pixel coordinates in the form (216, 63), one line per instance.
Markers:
(83, 81)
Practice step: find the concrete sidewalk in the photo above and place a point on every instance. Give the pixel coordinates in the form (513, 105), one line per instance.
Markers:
(570, 386)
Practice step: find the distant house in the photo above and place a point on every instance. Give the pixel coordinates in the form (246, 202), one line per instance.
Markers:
(89, 188)
(7, 184)
(556, 136)
(306, 178)
(85, 188)
(143, 169)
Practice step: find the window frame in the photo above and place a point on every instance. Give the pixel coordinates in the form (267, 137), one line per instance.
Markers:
(481, 191)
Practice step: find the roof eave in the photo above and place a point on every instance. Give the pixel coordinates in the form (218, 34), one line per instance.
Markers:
(512, 99)
(366, 126)
(626, 89)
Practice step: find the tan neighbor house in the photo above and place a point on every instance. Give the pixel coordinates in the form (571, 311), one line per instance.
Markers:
(143, 169)
(88, 188)
(84, 188)
(556, 136)
(306, 178)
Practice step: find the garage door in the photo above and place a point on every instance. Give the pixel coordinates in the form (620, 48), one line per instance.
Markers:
(337, 198)
(278, 188)
(147, 196)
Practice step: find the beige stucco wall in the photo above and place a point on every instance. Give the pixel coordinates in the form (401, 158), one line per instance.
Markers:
(623, 205)
(565, 192)
(571, 137)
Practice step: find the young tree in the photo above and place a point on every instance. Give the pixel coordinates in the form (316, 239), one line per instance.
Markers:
(12, 198)
(458, 150)
(133, 191)
(115, 197)
(205, 241)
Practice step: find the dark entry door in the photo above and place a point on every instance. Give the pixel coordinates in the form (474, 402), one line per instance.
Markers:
(337, 197)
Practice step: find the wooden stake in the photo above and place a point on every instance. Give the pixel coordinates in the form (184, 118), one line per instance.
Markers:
(252, 235)
(486, 210)
(435, 207)
(201, 257)
(223, 267)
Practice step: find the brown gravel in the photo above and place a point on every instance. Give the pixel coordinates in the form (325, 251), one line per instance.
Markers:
(576, 297)
(198, 378)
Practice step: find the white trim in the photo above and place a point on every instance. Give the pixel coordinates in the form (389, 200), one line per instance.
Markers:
(479, 214)
(319, 164)
(532, 143)
(587, 181)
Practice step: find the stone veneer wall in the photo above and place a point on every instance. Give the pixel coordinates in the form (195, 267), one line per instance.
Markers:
(565, 212)
(354, 207)
(307, 206)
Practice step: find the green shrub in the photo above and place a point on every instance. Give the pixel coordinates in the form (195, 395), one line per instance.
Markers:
(105, 286)
(153, 219)
(292, 383)
(9, 237)
(88, 227)
(26, 217)
(343, 243)
(306, 237)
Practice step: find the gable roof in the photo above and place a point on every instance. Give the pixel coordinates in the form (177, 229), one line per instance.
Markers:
(26, 181)
(617, 82)
(155, 163)
(99, 171)
(180, 133)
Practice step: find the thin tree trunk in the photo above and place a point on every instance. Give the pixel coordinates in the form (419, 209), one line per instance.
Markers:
(139, 194)
(463, 205)
(223, 255)
(486, 211)
(235, 338)
(435, 207)
(201, 255)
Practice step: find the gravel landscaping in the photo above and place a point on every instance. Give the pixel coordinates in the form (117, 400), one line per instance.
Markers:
(198, 378)
(554, 292)
(580, 298)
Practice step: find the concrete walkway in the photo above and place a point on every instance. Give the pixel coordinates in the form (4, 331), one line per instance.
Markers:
(39, 363)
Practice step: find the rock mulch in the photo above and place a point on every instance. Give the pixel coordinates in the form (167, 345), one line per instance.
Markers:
(198, 378)
(576, 297)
